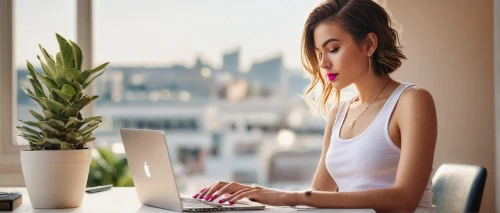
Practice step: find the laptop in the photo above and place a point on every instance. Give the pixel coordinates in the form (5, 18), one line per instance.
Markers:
(151, 168)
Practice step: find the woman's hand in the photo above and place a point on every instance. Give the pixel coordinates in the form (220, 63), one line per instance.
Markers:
(239, 191)
(263, 195)
(220, 188)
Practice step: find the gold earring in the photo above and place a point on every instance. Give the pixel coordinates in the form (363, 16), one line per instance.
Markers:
(369, 62)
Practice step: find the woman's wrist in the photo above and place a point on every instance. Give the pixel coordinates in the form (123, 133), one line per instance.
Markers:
(295, 198)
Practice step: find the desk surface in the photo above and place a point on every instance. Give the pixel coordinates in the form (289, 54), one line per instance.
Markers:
(125, 200)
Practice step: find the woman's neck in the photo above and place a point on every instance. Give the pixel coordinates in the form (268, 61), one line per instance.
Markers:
(370, 85)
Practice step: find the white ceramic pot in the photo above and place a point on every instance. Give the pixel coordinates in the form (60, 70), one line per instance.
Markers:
(56, 179)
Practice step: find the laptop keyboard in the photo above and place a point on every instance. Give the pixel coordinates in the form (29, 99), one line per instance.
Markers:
(194, 203)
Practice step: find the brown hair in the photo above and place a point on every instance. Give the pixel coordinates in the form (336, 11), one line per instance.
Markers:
(358, 18)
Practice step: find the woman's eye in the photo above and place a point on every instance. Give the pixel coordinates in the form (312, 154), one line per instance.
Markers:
(334, 50)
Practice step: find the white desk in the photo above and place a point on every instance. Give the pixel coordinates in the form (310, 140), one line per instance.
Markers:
(124, 200)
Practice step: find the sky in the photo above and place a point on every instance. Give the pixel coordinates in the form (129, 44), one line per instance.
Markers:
(166, 32)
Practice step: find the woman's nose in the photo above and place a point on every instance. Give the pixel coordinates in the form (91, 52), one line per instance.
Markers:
(325, 63)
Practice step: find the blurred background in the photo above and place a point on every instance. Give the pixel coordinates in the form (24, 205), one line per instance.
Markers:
(223, 79)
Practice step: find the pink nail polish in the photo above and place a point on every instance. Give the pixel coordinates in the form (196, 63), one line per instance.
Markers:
(207, 198)
(213, 197)
(203, 190)
(231, 202)
(221, 201)
(196, 195)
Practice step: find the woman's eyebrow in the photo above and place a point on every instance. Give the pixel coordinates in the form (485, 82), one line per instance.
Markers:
(326, 42)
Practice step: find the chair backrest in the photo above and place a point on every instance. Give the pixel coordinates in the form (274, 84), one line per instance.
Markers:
(458, 188)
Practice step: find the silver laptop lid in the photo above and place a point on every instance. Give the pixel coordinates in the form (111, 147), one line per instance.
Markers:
(151, 168)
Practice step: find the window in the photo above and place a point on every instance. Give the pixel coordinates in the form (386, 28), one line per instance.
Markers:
(36, 22)
(172, 62)
(188, 73)
(25, 24)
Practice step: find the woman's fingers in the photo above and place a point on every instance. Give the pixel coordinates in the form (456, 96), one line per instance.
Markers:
(249, 193)
(209, 191)
(204, 191)
(229, 188)
(198, 194)
(235, 195)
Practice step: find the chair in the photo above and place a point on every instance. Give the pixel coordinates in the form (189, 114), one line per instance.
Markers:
(458, 187)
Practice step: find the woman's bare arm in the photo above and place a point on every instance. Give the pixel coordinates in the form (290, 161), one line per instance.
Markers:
(322, 180)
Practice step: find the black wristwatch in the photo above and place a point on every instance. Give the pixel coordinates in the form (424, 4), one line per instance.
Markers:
(308, 192)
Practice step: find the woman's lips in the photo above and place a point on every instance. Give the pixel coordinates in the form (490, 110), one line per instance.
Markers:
(332, 76)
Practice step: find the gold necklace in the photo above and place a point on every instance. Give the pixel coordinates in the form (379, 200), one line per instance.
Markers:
(354, 112)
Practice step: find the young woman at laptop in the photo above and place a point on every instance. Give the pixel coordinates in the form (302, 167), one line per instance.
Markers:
(379, 145)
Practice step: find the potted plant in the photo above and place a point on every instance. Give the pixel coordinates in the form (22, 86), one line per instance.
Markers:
(106, 168)
(56, 167)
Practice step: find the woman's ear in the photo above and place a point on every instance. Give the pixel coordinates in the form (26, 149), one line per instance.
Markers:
(371, 43)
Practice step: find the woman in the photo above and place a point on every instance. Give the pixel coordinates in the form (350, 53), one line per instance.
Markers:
(378, 146)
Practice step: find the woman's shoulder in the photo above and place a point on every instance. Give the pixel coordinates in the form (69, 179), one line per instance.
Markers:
(415, 93)
(414, 97)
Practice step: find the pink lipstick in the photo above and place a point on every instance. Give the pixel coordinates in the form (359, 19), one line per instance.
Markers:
(331, 76)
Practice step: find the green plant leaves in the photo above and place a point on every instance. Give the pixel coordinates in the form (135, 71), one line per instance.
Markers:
(56, 124)
(31, 123)
(58, 98)
(37, 87)
(52, 140)
(45, 68)
(28, 130)
(66, 146)
(51, 64)
(71, 120)
(77, 52)
(59, 61)
(99, 68)
(67, 53)
(31, 138)
(36, 115)
(86, 141)
(53, 106)
(33, 96)
(64, 98)
(90, 121)
(77, 86)
(89, 82)
(70, 74)
(89, 128)
(69, 90)
(49, 82)
(48, 114)
(61, 98)
(73, 109)
(48, 130)
(33, 73)
(83, 76)
(107, 168)
(74, 136)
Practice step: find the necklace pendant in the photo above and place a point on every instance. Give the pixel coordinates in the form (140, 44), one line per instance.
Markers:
(352, 124)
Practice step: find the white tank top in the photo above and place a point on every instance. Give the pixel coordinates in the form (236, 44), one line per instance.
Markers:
(370, 160)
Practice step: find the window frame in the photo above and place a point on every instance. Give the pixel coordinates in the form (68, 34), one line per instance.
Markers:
(10, 165)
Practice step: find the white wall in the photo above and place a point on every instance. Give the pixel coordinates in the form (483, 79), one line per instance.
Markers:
(449, 45)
